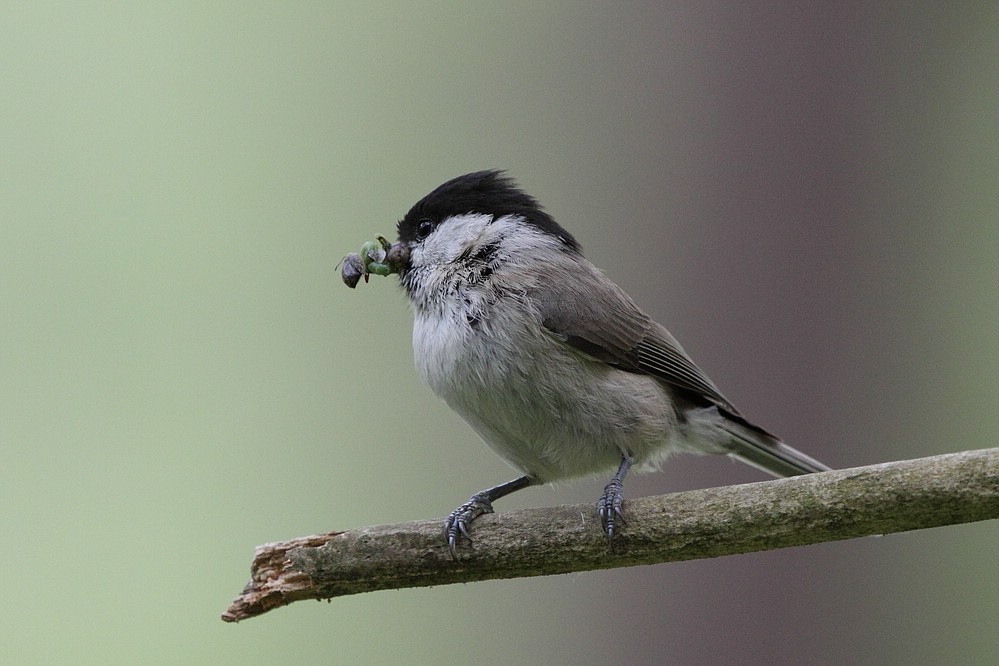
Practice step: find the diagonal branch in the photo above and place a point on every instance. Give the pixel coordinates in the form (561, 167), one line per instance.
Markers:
(842, 504)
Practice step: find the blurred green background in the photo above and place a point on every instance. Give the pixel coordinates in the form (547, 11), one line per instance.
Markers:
(806, 193)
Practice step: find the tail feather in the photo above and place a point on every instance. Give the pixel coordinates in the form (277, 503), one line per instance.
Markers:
(765, 452)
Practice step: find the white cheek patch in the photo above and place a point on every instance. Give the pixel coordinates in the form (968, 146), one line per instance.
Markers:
(520, 243)
(451, 238)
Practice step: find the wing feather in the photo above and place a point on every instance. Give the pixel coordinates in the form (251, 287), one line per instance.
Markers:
(598, 319)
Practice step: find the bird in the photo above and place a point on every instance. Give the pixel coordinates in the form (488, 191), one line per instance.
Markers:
(551, 363)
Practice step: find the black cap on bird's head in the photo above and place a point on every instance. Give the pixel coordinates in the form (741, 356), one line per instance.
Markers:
(483, 192)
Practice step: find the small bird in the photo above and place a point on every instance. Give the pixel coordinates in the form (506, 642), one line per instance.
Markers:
(551, 363)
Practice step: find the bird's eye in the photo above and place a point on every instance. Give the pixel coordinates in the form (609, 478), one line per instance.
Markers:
(424, 227)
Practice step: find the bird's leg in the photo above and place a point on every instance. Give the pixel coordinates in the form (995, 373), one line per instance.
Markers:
(609, 504)
(456, 525)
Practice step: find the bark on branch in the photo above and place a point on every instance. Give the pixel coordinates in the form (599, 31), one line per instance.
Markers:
(842, 504)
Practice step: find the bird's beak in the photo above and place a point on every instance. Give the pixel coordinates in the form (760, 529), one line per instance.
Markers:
(397, 257)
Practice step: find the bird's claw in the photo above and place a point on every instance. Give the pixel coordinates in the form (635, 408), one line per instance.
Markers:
(456, 525)
(609, 509)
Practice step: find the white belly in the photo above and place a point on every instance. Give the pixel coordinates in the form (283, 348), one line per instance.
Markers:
(549, 411)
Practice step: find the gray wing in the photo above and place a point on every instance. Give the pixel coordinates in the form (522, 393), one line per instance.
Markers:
(597, 318)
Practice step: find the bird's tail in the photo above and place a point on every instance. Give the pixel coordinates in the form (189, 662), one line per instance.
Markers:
(755, 446)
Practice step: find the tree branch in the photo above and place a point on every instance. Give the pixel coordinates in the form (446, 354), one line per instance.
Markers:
(842, 504)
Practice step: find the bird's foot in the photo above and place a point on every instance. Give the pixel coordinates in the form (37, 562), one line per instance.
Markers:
(609, 509)
(456, 525)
